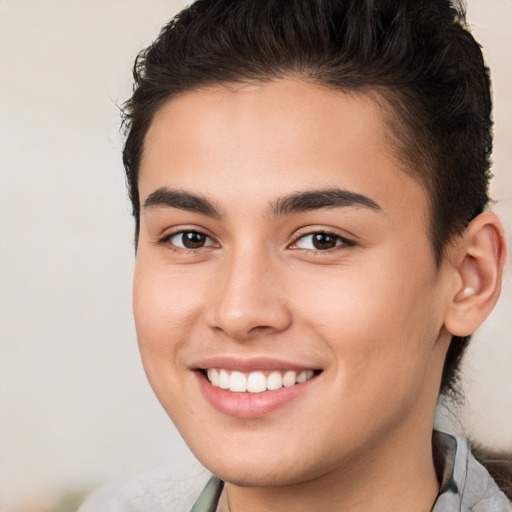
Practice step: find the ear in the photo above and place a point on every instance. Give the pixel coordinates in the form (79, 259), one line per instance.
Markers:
(478, 259)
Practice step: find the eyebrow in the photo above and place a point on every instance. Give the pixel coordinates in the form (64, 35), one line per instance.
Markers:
(319, 199)
(293, 203)
(164, 197)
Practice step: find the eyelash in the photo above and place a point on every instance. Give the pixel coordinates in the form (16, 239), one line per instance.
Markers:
(341, 241)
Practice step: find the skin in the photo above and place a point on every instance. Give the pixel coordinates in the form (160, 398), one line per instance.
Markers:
(374, 314)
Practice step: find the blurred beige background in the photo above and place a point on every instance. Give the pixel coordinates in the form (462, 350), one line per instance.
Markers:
(75, 408)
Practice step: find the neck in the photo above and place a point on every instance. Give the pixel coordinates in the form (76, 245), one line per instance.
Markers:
(397, 476)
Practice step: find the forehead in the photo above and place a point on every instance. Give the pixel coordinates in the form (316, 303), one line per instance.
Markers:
(251, 141)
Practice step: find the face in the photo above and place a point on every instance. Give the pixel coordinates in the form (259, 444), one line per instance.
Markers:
(288, 308)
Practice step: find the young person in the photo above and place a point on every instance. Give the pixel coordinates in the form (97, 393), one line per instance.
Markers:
(309, 184)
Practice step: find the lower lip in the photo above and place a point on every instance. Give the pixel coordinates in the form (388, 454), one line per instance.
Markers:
(250, 405)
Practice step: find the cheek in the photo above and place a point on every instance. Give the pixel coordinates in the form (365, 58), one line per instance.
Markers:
(166, 303)
(377, 317)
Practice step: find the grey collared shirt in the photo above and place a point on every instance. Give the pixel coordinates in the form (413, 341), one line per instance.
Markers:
(466, 485)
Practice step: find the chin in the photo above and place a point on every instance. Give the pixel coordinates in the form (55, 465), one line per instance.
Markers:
(248, 476)
(264, 466)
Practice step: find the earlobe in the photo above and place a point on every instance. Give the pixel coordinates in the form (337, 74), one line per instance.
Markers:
(479, 258)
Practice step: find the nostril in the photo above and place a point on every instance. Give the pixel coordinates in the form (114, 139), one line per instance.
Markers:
(261, 328)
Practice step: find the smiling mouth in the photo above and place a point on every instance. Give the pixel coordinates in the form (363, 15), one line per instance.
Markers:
(256, 381)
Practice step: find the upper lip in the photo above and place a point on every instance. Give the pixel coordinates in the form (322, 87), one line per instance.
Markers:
(249, 364)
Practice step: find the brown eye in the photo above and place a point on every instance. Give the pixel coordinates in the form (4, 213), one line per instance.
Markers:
(321, 241)
(193, 240)
(190, 240)
(324, 241)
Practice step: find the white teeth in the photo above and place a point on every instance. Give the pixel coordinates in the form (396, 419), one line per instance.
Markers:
(213, 377)
(238, 382)
(303, 376)
(223, 379)
(289, 379)
(274, 381)
(256, 382)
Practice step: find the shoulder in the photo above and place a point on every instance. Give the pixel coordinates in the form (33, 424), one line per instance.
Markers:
(159, 490)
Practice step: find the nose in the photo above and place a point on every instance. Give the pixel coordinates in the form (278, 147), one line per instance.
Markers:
(250, 298)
